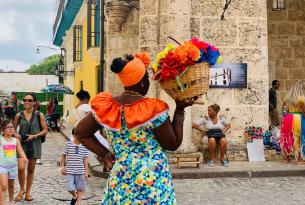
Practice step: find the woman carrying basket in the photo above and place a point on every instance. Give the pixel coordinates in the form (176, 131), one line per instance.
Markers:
(140, 132)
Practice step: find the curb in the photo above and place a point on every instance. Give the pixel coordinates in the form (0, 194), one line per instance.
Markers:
(239, 174)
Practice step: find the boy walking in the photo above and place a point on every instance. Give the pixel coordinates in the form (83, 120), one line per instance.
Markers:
(74, 164)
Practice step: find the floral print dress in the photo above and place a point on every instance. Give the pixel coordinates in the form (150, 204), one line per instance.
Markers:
(141, 173)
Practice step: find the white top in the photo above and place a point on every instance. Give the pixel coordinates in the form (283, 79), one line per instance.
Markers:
(80, 112)
(209, 125)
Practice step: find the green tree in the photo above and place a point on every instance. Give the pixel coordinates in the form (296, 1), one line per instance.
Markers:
(45, 67)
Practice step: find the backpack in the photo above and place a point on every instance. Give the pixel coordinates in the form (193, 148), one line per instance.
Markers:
(37, 113)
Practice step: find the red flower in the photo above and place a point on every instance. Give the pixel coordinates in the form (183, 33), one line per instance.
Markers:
(200, 44)
(169, 67)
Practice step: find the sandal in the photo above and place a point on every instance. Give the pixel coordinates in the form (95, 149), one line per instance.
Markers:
(28, 197)
(19, 196)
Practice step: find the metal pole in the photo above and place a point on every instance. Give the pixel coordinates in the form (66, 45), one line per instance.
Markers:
(102, 40)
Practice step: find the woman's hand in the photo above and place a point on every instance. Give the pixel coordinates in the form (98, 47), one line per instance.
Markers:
(180, 105)
(30, 138)
(17, 136)
(25, 160)
(108, 161)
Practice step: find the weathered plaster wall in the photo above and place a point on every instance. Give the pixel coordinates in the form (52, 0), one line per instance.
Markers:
(242, 37)
(286, 36)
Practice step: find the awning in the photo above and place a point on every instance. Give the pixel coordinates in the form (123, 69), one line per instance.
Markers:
(67, 16)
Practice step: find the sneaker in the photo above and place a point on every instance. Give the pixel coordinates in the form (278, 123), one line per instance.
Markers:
(225, 163)
(73, 201)
(210, 163)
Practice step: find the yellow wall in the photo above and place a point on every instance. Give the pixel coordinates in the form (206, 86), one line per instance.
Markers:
(87, 71)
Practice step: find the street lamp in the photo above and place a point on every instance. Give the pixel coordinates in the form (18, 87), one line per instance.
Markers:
(60, 71)
(52, 48)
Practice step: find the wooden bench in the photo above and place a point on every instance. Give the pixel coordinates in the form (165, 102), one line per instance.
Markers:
(188, 159)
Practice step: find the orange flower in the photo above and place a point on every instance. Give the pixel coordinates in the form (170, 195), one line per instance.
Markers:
(186, 52)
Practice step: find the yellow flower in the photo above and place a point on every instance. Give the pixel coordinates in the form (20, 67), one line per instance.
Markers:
(162, 55)
(219, 60)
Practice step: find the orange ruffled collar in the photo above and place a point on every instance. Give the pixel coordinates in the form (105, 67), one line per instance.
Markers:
(108, 112)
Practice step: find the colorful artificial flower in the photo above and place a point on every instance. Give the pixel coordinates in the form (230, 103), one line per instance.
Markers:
(171, 62)
(200, 44)
(161, 55)
(169, 67)
(187, 53)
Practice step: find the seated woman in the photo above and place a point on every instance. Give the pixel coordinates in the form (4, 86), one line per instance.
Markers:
(214, 127)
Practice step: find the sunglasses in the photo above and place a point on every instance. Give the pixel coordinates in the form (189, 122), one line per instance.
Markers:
(28, 100)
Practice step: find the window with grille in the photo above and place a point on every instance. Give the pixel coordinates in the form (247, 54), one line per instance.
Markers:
(77, 43)
(93, 23)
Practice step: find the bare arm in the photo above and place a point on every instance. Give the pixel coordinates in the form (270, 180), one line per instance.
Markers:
(195, 126)
(16, 120)
(227, 127)
(84, 131)
(20, 150)
(16, 123)
(44, 126)
(170, 134)
(86, 167)
(63, 164)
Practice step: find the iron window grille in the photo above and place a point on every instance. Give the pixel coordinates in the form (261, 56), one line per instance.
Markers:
(93, 21)
(77, 43)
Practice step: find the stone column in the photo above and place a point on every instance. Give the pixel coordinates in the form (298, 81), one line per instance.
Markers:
(149, 34)
(175, 18)
(160, 19)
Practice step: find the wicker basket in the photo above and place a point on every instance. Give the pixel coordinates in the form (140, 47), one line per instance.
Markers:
(194, 82)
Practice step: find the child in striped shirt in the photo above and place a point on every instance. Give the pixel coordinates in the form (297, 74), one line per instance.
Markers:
(74, 165)
(9, 147)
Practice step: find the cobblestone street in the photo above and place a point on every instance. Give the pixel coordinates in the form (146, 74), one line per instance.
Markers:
(49, 184)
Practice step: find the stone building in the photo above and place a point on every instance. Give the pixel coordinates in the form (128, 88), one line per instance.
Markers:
(270, 42)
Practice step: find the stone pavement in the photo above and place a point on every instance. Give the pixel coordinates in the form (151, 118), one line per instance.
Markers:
(49, 184)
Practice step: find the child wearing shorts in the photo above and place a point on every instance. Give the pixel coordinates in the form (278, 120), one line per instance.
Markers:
(9, 147)
(74, 165)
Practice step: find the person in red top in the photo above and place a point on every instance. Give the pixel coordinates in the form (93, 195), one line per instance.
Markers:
(50, 106)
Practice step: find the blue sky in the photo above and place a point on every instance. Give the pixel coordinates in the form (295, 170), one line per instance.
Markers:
(25, 24)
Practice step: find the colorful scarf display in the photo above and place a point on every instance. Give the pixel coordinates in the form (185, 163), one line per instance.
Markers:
(286, 138)
(303, 137)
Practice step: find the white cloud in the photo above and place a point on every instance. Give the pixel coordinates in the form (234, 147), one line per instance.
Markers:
(24, 25)
(8, 32)
(8, 65)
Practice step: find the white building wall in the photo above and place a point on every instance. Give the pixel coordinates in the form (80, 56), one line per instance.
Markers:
(23, 82)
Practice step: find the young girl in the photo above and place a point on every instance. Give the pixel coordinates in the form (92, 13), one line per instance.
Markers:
(9, 145)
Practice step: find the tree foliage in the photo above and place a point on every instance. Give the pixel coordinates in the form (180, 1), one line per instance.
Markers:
(45, 67)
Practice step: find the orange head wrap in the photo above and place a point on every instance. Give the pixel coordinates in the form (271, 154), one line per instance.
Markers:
(135, 70)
